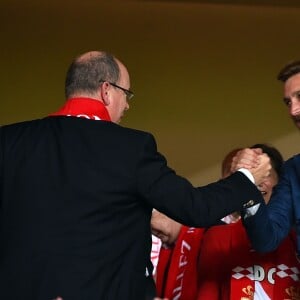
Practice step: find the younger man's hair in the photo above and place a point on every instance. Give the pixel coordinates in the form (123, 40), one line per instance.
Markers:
(289, 70)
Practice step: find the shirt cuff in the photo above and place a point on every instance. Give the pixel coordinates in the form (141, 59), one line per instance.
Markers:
(247, 173)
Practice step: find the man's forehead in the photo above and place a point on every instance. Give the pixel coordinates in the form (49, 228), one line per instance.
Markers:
(292, 84)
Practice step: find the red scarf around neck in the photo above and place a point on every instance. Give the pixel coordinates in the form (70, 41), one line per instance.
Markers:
(84, 108)
(177, 267)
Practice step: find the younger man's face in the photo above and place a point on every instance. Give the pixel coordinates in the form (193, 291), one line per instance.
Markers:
(292, 97)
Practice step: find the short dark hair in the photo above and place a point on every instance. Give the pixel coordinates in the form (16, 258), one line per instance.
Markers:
(86, 75)
(289, 70)
(275, 156)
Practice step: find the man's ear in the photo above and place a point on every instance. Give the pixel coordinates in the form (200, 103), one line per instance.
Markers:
(104, 92)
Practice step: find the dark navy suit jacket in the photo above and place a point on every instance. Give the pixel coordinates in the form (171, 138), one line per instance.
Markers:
(76, 198)
(272, 222)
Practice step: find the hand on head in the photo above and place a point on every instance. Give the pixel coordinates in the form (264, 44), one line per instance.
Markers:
(246, 158)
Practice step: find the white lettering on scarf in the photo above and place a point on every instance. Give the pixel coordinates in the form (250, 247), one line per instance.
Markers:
(183, 261)
(260, 274)
(93, 117)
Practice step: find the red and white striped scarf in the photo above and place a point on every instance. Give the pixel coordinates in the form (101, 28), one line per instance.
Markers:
(177, 267)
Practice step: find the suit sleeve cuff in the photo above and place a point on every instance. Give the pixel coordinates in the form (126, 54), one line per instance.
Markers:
(247, 173)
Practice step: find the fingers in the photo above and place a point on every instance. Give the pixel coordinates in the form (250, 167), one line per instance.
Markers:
(262, 171)
(265, 163)
(157, 220)
(161, 223)
(257, 162)
(246, 158)
(257, 150)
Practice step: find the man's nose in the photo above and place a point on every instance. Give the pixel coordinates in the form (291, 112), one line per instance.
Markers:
(295, 107)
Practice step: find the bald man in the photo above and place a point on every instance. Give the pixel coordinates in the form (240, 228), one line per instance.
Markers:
(78, 189)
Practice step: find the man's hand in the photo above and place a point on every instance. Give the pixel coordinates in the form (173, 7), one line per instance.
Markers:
(165, 228)
(255, 161)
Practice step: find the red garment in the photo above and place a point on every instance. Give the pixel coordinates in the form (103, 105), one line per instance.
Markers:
(229, 269)
(84, 108)
(177, 267)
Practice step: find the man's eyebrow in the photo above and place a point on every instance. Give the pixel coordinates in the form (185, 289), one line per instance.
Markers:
(295, 93)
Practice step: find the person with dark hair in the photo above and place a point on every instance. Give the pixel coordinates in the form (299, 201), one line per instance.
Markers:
(268, 225)
(229, 268)
(77, 192)
(289, 70)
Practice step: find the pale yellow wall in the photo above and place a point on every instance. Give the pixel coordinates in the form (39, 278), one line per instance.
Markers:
(204, 75)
